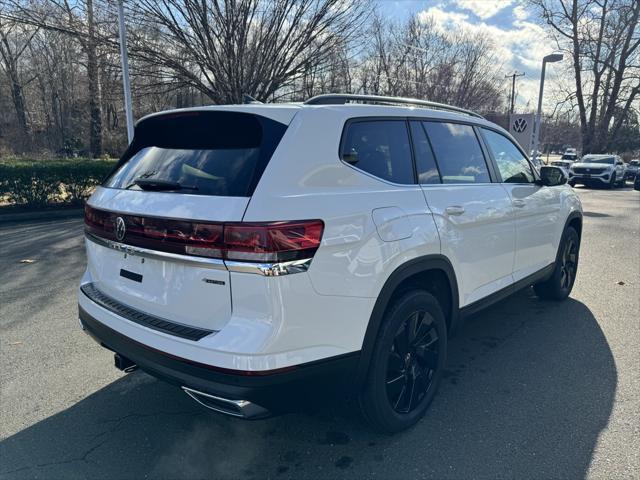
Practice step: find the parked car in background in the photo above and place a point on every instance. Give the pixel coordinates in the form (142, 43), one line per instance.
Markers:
(605, 169)
(564, 164)
(261, 256)
(632, 169)
(566, 161)
(569, 157)
(538, 162)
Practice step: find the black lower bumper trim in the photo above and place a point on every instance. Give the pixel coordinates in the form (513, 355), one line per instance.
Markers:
(150, 321)
(285, 390)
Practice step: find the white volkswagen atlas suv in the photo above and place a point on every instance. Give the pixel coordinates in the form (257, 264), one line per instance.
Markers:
(262, 257)
(607, 170)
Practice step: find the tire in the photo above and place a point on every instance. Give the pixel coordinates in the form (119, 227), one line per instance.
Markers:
(401, 381)
(559, 285)
(612, 181)
(572, 184)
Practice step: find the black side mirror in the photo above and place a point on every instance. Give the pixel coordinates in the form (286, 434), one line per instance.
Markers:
(551, 176)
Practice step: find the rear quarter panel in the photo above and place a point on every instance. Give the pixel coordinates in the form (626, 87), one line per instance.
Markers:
(306, 179)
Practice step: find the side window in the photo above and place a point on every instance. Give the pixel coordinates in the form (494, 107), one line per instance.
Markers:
(425, 161)
(513, 166)
(381, 148)
(457, 152)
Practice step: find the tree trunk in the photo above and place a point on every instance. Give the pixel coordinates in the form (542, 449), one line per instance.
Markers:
(93, 74)
(17, 95)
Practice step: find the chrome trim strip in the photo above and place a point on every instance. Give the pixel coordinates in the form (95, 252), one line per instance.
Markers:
(213, 263)
(238, 408)
(267, 269)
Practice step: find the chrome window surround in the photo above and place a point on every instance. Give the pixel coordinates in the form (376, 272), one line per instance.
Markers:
(274, 269)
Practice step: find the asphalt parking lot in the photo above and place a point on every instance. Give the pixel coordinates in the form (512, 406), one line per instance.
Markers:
(533, 389)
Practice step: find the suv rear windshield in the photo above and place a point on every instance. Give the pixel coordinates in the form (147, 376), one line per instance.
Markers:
(201, 153)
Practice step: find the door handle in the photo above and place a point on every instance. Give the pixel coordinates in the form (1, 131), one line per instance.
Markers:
(518, 203)
(454, 210)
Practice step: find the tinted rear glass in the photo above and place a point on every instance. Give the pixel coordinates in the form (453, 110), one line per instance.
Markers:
(205, 153)
(381, 148)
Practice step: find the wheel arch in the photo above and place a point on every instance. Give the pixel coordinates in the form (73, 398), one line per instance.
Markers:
(433, 273)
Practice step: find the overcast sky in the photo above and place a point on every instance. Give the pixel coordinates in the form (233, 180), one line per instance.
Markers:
(520, 40)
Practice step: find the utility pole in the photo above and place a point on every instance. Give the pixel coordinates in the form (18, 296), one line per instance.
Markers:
(125, 71)
(513, 86)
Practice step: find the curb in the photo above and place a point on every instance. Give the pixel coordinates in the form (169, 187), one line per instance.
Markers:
(41, 215)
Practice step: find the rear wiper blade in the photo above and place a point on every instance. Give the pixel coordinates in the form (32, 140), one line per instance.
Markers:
(159, 185)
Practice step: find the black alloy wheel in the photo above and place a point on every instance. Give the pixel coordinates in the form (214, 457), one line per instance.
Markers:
(407, 362)
(569, 264)
(559, 285)
(412, 363)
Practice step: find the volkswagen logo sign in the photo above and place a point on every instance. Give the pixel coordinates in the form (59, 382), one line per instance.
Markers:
(520, 125)
(121, 228)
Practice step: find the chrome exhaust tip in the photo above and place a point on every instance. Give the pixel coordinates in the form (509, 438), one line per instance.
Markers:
(124, 364)
(235, 408)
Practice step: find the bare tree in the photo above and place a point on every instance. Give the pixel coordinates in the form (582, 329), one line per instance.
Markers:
(416, 59)
(14, 42)
(602, 38)
(227, 48)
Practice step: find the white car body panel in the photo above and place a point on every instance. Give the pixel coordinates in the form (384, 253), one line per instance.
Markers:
(538, 226)
(480, 241)
(371, 228)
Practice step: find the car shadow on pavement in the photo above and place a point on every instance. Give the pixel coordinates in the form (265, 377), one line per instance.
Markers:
(529, 387)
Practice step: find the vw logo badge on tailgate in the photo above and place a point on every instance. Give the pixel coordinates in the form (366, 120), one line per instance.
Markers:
(121, 228)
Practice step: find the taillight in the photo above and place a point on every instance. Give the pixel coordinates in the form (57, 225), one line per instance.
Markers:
(272, 242)
(250, 242)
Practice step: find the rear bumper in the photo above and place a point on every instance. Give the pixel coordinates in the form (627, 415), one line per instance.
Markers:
(287, 389)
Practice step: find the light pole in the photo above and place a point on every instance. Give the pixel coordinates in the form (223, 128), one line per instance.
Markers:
(554, 57)
(125, 71)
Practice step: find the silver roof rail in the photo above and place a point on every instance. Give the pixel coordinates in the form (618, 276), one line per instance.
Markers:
(342, 98)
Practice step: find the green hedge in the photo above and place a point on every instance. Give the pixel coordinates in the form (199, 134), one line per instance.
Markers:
(42, 182)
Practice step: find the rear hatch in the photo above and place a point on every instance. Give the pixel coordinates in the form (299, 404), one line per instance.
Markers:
(153, 227)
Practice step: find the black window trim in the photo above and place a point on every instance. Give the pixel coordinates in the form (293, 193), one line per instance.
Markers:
(415, 162)
(498, 175)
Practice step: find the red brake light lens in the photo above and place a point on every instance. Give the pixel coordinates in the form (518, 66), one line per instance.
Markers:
(272, 242)
(253, 242)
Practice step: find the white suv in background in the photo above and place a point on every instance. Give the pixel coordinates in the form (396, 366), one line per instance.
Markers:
(605, 169)
(263, 257)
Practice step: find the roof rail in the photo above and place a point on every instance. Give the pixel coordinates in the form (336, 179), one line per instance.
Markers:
(342, 98)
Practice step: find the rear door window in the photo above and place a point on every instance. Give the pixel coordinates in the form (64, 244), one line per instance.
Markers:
(458, 152)
(379, 147)
(200, 153)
